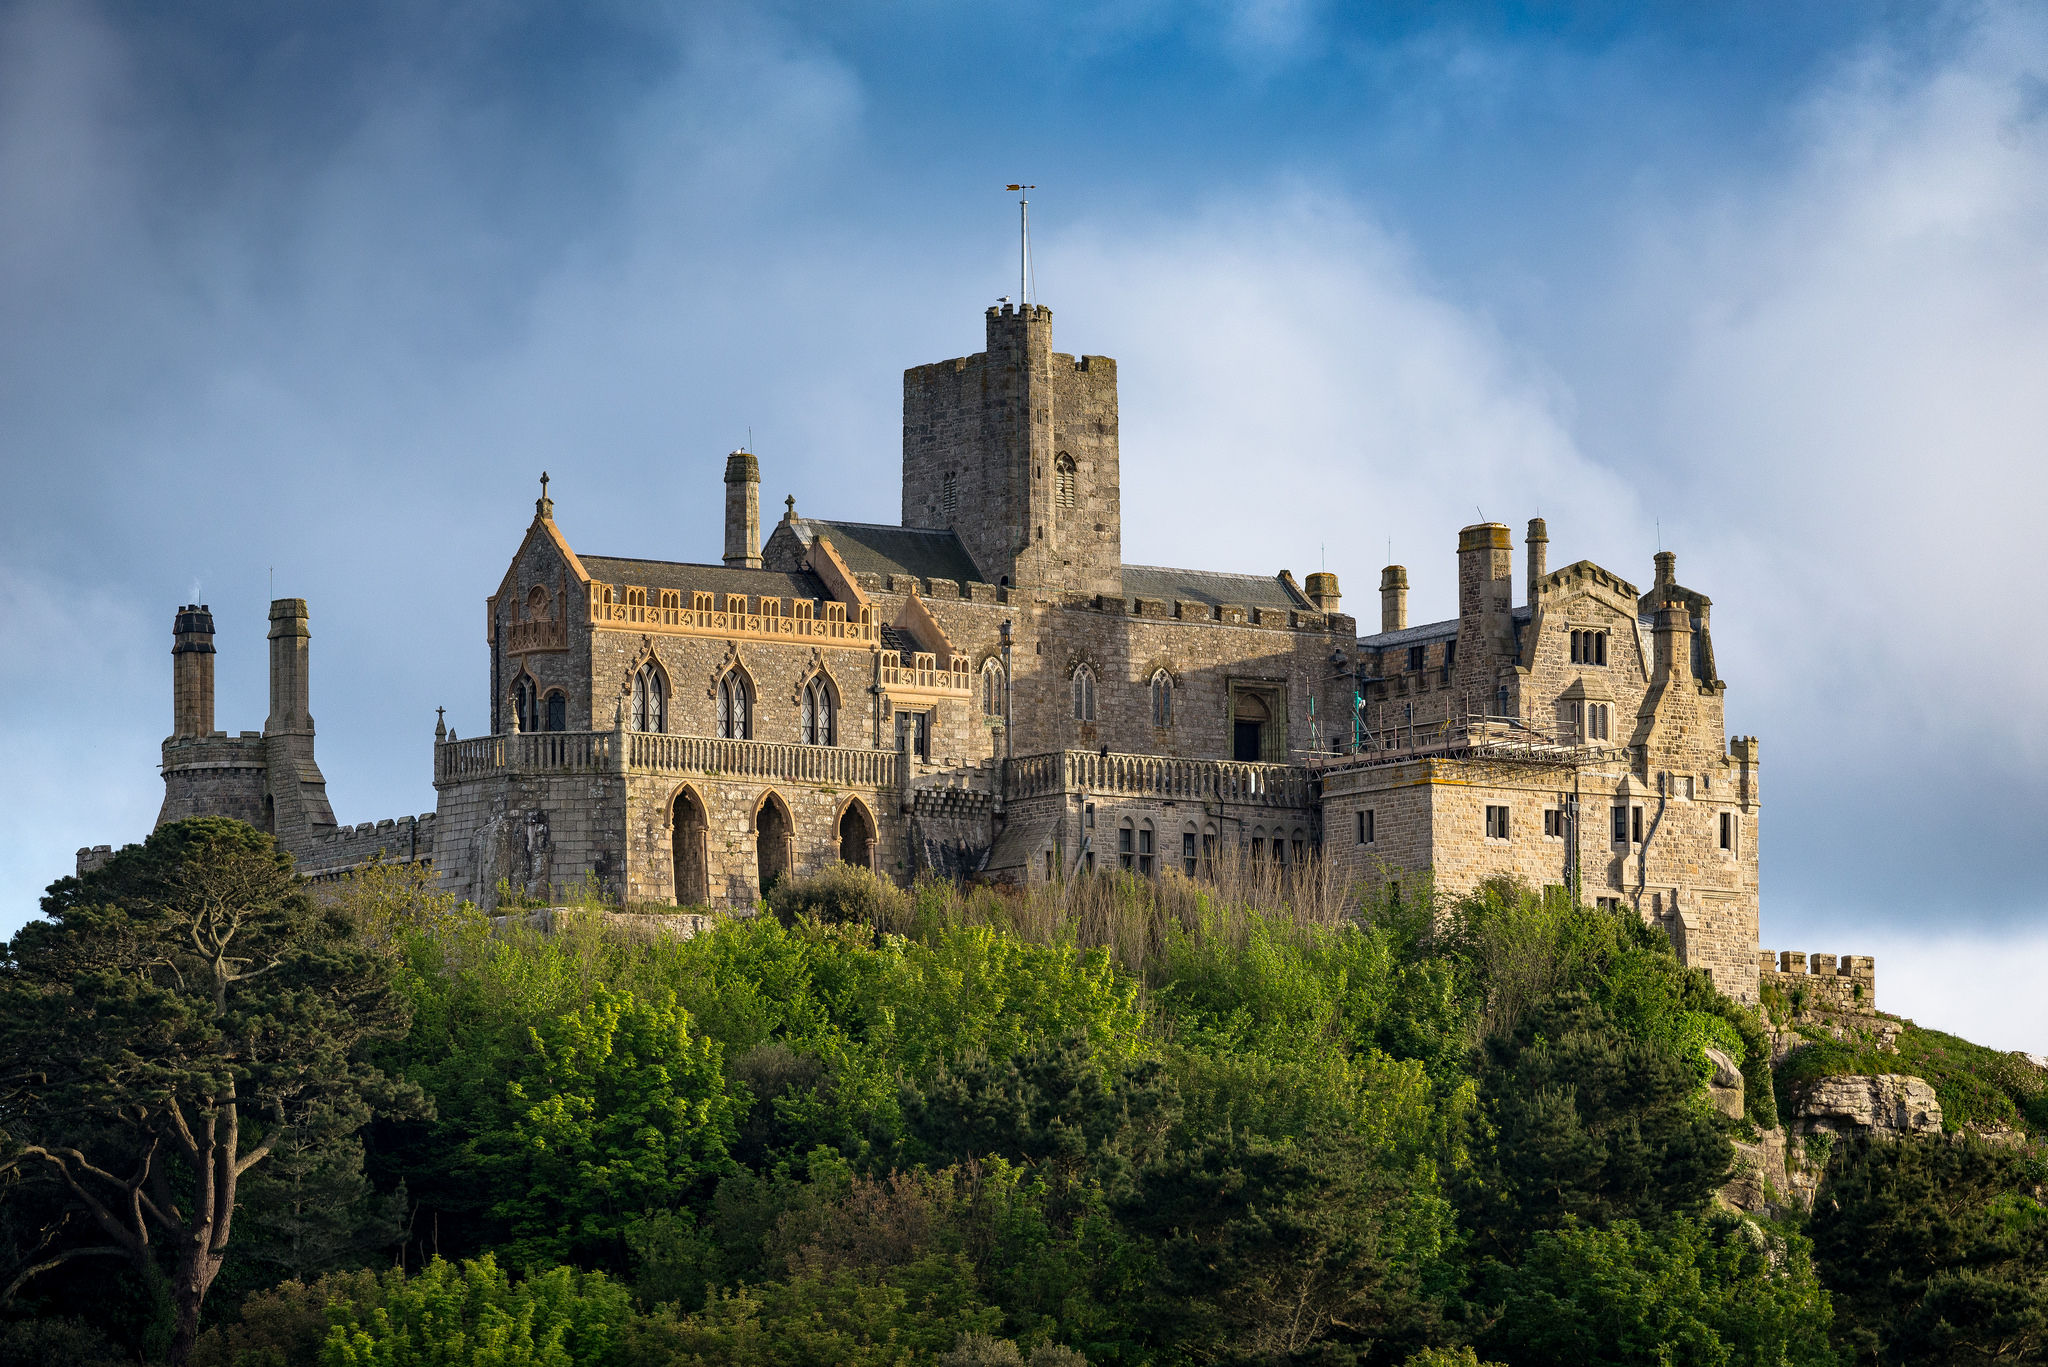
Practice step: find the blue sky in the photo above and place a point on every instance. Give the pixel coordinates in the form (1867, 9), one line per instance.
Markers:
(321, 289)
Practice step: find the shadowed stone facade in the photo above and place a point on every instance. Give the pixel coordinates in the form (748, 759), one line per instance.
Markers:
(988, 690)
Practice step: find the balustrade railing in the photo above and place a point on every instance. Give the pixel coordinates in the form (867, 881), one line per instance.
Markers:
(567, 752)
(760, 759)
(1212, 780)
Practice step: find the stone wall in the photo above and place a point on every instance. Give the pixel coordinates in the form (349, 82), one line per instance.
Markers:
(1845, 983)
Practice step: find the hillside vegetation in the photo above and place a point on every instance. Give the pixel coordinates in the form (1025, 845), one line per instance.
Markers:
(1118, 1121)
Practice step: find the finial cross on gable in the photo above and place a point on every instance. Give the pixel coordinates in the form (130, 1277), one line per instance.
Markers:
(544, 506)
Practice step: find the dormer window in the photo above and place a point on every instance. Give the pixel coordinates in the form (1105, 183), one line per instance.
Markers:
(1416, 656)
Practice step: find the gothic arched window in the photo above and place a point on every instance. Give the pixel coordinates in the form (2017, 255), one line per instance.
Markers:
(1065, 481)
(650, 702)
(733, 708)
(1162, 699)
(815, 722)
(992, 698)
(557, 704)
(1084, 694)
(525, 703)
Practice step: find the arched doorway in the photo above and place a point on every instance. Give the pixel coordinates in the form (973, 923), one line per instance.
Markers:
(857, 836)
(1249, 723)
(692, 850)
(774, 841)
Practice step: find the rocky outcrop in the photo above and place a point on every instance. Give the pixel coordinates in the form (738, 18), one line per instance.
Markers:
(1890, 1105)
(1724, 1088)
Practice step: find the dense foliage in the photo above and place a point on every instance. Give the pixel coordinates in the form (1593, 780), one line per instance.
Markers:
(1118, 1121)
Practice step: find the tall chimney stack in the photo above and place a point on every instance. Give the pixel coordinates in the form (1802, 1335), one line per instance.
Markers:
(1539, 554)
(1394, 598)
(1671, 656)
(192, 672)
(291, 710)
(743, 511)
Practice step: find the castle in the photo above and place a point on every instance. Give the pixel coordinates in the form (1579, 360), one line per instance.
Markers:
(989, 689)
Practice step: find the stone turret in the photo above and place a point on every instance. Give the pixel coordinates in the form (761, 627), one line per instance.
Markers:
(296, 802)
(192, 672)
(743, 511)
(1486, 569)
(1394, 598)
(1322, 591)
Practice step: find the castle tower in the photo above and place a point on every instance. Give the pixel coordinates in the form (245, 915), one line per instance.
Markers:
(743, 511)
(1015, 449)
(192, 672)
(297, 791)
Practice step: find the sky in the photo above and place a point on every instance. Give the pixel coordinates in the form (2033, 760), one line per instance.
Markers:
(300, 300)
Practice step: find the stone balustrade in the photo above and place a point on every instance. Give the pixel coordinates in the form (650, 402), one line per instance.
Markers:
(648, 753)
(779, 619)
(923, 675)
(565, 752)
(1191, 780)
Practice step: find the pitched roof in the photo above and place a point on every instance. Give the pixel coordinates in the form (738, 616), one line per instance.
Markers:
(1208, 586)
(1428, 631)
(869, 548)
(678, 574)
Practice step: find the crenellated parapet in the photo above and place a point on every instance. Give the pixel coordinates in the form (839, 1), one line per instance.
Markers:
(1846, 982)
(394, 840)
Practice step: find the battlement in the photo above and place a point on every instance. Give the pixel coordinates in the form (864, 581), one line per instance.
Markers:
(1743, 749)
(1581, 574)
(1846, 982)
(400, 840)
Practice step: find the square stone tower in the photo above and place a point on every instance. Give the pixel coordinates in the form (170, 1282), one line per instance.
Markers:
(1015, 449)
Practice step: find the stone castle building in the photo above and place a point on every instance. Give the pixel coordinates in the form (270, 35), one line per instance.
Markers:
(989, 689)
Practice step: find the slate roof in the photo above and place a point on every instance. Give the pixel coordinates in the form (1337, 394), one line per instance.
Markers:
(1208, 586)
(870, 548)
(677, 574)
(1428, 632)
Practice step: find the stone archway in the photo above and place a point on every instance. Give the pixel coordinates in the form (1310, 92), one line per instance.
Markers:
(774, 841)
(857, 836)
(692, 849)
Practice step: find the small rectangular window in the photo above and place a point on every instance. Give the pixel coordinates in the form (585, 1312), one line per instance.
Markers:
(1621, 825)
(1496, 823)
(1208, 847)
(1636, 824)
(1088, 816)
(1299, 850)
(1187, 853)
(1599, 647)
(1090, 859)
(1366, 832)
(1123, 847)
(1553, 823)
(1728, 831)
(1415, 654)
(1145, 853)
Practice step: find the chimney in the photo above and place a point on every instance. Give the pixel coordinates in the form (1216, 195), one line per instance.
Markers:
(1667, 574)
(1394, 598)
(1539, 554)
(192, 672)
(1672, 658)
(742, 511)
(1322, 591)
(1486, 567)
(290, 689)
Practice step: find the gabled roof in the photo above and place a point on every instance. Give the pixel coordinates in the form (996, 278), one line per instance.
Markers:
(677, 574)
(1208, 586)
(870, 548)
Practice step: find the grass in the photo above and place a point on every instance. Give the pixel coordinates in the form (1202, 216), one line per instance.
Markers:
(1976, 1085)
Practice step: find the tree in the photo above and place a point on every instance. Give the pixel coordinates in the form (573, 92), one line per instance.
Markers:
(1585, 1124)
(183, 1012)
(1936, 1250)
(1290, 1252)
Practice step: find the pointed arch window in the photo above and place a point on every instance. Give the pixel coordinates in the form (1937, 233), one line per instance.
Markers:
(1162, 699)
(735, 719)
(1084, 694)
(650, 699)
(526, 703)
(992, 698)
(814, 725)
(1065, 481)
(557, 706)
